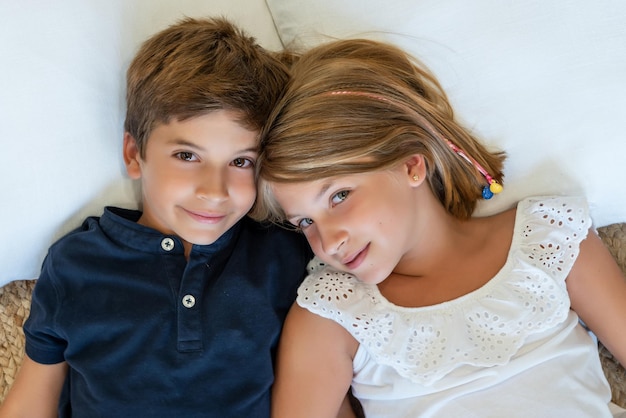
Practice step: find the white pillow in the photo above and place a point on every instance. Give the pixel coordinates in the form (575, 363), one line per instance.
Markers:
(62, 105)
(543, 80)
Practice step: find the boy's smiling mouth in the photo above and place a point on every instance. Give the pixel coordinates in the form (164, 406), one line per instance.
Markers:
(205, 217)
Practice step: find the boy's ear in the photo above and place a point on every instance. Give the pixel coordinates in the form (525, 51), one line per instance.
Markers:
(131, 156)
(415, 168)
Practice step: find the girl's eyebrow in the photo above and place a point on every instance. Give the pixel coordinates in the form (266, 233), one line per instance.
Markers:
(323, 190)
(317, 197)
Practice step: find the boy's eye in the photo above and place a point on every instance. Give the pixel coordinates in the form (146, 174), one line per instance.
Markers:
(186, 156)
(243, 162)
(304, 223)
(339, 197)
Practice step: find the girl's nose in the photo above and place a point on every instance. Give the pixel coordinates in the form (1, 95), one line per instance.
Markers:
(333, 238)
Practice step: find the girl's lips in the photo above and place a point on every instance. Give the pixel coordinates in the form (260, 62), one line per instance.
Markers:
(207, 218)
(354, 262)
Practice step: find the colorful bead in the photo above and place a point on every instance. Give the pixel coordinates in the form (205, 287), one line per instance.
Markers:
(495, 187)
(487, 193)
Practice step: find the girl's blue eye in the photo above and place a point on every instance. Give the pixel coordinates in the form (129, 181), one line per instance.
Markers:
(304, 223)
(340, 197)
(243, 162)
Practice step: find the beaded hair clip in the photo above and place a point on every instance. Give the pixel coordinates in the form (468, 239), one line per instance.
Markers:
(492, 187)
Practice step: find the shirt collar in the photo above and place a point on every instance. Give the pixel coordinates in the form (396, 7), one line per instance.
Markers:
(121, 227)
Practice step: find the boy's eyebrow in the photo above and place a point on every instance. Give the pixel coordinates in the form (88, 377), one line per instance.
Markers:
(251, 149)
(180, 141)
(184, 142)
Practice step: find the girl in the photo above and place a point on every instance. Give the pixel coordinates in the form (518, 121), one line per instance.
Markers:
(421, 308)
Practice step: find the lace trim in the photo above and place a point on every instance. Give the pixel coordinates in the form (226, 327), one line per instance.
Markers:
(483, 328)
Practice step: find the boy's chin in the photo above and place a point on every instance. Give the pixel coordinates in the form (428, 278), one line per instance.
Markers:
(206, 237)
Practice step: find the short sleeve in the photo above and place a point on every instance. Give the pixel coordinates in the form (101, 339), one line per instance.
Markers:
(44, 342)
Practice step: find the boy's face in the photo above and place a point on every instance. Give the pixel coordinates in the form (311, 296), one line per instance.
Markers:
(197, 176)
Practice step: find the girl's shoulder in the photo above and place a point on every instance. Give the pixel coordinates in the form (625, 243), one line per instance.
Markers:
(332, 293)
(325, 286)
(560, 217)
(557, 205)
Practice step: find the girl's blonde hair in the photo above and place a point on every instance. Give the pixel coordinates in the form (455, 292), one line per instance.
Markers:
(360, 105)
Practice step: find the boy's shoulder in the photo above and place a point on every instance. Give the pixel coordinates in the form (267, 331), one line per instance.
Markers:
(91, 229)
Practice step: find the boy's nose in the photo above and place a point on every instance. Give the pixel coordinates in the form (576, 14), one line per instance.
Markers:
(213, 186)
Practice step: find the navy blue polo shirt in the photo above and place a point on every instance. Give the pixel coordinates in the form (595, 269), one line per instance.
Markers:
(147, 333)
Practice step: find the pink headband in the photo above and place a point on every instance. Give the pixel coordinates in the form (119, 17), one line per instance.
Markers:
(492, 187)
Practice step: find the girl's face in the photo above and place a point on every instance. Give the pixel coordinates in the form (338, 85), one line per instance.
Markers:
(363, 223)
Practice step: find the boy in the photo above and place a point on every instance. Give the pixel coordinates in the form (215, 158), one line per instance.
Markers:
(175, 310)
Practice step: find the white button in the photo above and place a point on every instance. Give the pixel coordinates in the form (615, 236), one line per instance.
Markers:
(189, 301)
(167, 244)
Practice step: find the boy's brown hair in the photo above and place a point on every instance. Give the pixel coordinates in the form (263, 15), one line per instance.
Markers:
(197, 66)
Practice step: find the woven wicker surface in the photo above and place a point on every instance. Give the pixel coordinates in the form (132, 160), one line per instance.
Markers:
(614, 236)
(15, 306)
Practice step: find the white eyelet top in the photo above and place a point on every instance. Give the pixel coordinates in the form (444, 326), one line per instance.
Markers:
(517, 329)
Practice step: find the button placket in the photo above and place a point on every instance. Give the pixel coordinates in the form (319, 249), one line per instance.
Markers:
(190, 304)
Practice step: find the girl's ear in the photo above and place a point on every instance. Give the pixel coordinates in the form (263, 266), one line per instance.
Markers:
(132, 156)
(415, 168)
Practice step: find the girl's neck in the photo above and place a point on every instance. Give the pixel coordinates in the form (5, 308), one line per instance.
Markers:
(450, 259)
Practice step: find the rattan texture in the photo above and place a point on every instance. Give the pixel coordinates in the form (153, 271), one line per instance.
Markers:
(14, 309)
(614, 236)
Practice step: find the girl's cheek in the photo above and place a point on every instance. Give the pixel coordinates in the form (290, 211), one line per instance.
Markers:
(314, 242)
